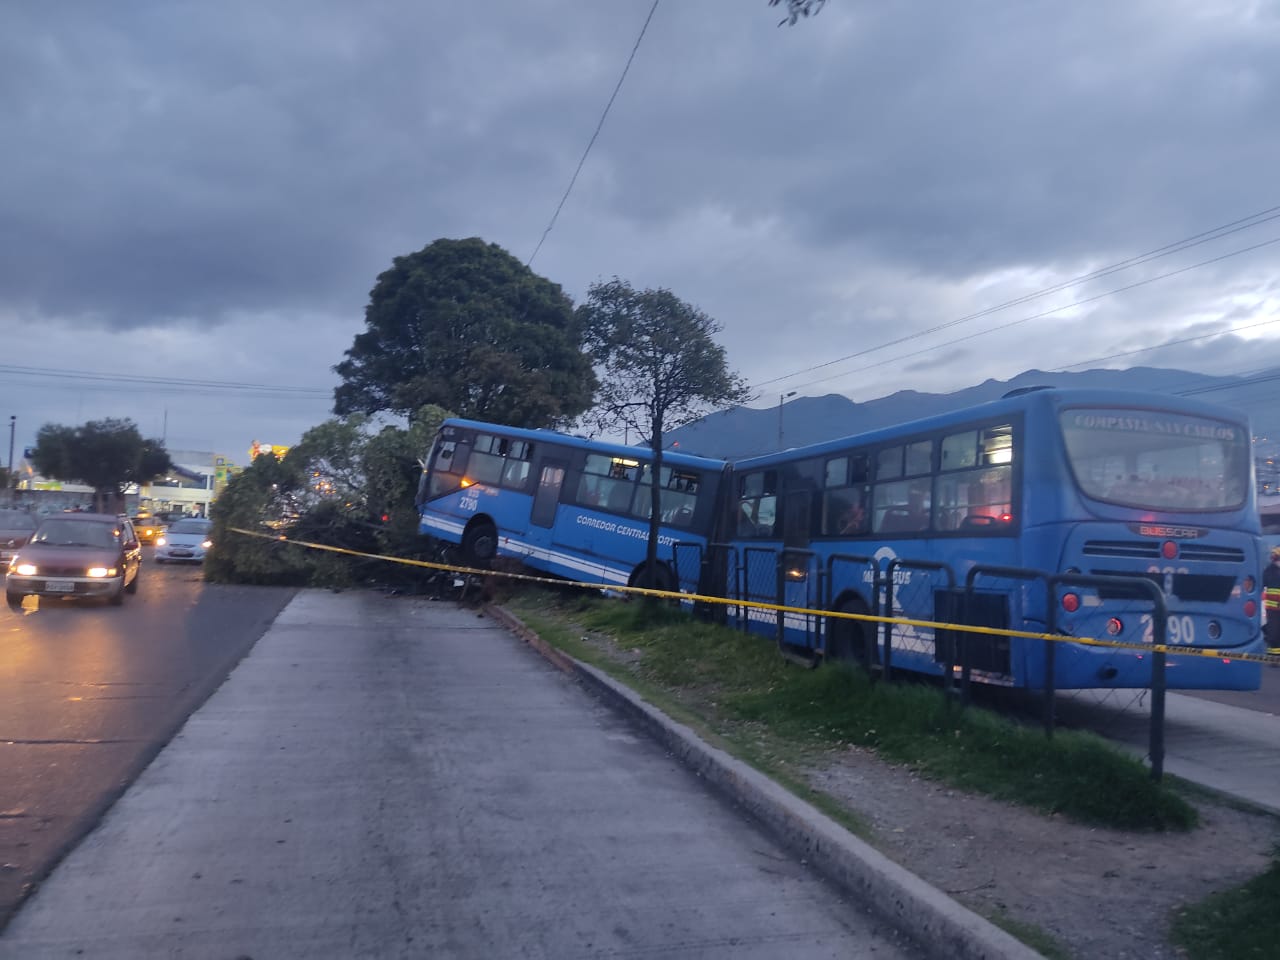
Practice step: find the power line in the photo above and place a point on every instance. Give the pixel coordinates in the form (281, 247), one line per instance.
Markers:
(153, 381)
(591, 142)
(1036, 316)
(1216, 233)
(1167, 343)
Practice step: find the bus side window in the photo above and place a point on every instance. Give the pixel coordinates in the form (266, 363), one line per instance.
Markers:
(975, 486)
(757, 504)
(515, 473)
(844, 501)
(902, 506)
(588, 491)
(619, 500)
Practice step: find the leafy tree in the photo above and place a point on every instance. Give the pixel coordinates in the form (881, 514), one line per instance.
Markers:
(660, 368)
(464, 325)
(329, 456)
(259, 499)
(107, 455)
(797, 9)
(393, 461)
(338, 486)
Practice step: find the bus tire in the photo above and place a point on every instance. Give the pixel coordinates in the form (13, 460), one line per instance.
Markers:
(662, 578)
(480, 542)
(847, 639)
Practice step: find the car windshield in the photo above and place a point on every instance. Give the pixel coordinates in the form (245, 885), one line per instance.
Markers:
(16, 520)
(76, 533)
(190, 526)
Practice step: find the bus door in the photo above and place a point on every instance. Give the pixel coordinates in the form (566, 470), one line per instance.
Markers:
(758, 583)
(687, 557)
(547, 497)
(798, 581)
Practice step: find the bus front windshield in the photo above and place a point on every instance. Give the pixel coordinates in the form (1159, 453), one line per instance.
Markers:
(1157, 460)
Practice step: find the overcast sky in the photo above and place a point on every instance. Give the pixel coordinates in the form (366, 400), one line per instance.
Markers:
(205, 193)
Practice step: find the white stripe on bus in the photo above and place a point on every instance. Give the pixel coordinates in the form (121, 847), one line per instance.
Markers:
(523, 549)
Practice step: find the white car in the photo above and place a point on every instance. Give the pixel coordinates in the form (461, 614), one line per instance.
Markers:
(185, 541)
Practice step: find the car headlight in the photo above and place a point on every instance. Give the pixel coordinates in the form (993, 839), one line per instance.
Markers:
(160, 541)
(100, 572)
(206, 544)
(26, 570)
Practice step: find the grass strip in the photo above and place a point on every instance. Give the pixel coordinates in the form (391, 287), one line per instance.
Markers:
(1234, 924)
(736, 686)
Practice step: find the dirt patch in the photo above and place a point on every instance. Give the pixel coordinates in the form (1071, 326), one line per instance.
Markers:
(1097, 892)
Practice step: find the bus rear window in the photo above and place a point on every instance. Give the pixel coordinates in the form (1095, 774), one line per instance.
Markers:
(1157, 461)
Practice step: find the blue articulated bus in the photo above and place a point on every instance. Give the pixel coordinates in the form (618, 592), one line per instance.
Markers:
(1002, 498)
(569, 506)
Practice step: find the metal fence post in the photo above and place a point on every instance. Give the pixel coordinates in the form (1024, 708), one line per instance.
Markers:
(1159, 621)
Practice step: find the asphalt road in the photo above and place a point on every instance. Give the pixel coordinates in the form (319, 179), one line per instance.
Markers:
(90, 693)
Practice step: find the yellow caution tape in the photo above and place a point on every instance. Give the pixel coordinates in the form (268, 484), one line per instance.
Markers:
(1272, 655)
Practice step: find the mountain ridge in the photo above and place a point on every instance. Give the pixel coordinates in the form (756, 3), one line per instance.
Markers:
(742, 432)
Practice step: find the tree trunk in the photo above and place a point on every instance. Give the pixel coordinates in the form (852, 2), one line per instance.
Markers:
(655, 506)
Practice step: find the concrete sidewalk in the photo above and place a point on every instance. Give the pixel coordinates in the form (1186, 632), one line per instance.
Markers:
(398, 778)
(1229, 750)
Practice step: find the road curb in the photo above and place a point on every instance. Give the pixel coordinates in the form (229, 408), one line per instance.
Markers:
(943, 927)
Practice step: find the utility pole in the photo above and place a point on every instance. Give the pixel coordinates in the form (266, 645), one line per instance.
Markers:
(781, 398)
(13, 424)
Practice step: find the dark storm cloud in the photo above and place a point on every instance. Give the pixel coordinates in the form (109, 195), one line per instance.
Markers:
(194, 159)
(963, 137)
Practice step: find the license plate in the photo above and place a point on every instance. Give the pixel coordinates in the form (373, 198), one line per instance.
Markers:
(180, 553)
(60, 586)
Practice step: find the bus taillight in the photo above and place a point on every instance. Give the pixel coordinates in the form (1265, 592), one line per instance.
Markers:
(1070, 602)
(1115, 626)
(1250, 609)
(1249, 584)
(1170, 550)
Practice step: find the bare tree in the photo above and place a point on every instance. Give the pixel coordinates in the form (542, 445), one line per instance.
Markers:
(659, 368)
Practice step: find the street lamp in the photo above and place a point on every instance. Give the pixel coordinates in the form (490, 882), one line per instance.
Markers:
(13, 423)
(781, 398)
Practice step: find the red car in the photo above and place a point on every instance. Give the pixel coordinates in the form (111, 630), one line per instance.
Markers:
(76, 556)
(16, 527)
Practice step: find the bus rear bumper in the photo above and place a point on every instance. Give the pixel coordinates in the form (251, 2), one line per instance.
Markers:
(1081, 668)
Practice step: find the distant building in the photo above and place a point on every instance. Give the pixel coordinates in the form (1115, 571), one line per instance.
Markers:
(191, 486)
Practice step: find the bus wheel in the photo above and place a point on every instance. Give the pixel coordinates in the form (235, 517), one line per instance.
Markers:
(480, 542)
(847, 639)
(661, 579)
